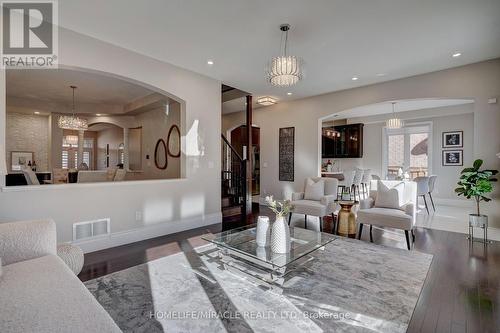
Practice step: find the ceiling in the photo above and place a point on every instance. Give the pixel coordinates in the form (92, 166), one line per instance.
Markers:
(400, 106)
(338, 39)
(53, 86)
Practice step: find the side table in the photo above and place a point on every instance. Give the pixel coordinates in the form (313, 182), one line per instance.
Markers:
(346, 224)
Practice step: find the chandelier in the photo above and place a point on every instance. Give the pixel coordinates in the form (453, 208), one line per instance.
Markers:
(284, 70)
(266, 101)
(394, 123)
(73, 122)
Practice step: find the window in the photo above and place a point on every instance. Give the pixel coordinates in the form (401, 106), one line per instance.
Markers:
(407, 151)
(86, 158)
(69, 155)
(65, 159)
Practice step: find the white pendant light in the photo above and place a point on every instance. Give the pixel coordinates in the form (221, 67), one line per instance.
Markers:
(394, 122)
(284, 70)
(73, 122)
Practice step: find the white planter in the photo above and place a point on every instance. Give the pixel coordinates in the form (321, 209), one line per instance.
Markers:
(263, 236)
(478, 221)
(280, 236)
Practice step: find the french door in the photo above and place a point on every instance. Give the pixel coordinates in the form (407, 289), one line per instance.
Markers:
(407, 151)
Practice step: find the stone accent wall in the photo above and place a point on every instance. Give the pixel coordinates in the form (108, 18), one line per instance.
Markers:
(28, 132)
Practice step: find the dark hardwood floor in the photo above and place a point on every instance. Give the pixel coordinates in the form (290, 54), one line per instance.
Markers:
(461, 292)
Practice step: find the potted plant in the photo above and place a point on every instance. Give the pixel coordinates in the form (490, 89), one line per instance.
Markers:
(475, 184)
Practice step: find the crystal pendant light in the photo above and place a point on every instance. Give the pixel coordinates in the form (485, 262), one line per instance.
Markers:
(394, 123)
(73, 122)
(284, 70)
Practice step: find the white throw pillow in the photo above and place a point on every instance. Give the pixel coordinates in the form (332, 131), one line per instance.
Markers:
(389, 197)
(314, 190)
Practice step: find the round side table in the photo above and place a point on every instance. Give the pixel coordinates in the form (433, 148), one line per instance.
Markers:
(346, 224)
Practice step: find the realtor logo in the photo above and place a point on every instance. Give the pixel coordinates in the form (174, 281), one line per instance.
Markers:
(29, 34)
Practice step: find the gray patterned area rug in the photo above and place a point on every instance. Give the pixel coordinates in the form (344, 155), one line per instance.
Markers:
(353, 286)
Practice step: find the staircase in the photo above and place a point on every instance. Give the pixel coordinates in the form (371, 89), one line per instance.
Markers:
(233, 183)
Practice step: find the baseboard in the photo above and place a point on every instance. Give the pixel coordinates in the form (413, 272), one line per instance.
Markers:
(146, 232)
(453, 202)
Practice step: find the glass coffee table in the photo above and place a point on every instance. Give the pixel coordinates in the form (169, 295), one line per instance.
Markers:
(240, 254)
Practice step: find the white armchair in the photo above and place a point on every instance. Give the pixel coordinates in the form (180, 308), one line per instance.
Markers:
(319, 205)
(401, 214)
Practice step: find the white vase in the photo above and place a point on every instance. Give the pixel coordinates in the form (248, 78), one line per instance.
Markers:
(280, 236)
(263, 236)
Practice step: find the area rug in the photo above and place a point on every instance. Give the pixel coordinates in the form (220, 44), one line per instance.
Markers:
(352, 286)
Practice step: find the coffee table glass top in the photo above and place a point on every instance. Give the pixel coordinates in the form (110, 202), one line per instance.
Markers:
(242, 241)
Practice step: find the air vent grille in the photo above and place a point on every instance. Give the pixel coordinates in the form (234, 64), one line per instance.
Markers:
(91, 229)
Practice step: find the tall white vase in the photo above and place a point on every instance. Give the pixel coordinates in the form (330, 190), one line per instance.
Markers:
(280, 236)
(263, 236)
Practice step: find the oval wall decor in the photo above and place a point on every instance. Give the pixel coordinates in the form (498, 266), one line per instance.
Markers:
(176, 142)
(164, 153)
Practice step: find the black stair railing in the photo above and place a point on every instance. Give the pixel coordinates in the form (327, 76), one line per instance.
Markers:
(233, 178)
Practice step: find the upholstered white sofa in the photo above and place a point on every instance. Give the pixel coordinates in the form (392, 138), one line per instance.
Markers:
(397, 210)
(38, 291)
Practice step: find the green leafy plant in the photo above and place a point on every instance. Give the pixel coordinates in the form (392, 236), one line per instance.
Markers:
(475, 183)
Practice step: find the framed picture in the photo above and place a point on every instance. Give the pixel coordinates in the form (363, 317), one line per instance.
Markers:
(286, 154)
(19, 159)
(453, 139)
(453, 157)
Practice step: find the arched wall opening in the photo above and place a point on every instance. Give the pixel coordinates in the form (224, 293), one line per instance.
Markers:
(120, 112)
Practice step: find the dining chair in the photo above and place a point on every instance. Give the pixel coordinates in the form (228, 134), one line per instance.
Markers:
(30, 176)
(365, 182)
(356, 183)
(347, 183)
(432, 184)
(422, 189)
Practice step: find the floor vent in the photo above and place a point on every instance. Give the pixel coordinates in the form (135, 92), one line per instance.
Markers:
(90, 229)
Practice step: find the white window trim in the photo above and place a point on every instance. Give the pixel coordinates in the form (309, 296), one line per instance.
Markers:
(407, 130)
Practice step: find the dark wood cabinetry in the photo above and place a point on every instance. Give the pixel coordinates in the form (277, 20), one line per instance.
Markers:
(344, 141)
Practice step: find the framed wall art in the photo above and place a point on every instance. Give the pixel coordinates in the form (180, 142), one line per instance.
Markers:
(20, 159)
(453, 139)
(286, 154)
(453, 157)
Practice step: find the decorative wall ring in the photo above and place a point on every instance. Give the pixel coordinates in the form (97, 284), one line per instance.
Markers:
(164, 166)
(178, 154)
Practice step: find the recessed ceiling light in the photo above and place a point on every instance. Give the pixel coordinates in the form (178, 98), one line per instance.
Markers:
(210, 62)
(456, 54)
(98, 114)
(266, 101)
(380, 74)
(354, 78)
(36, 112)
(289, 93)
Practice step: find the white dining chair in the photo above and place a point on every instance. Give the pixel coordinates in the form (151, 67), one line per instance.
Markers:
(347, 183)
(357, 181)
(432, 184)
(365, 182)
(422, 189)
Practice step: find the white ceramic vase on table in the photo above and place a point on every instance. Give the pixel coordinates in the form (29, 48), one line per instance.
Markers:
(280, 236)
(263, 234)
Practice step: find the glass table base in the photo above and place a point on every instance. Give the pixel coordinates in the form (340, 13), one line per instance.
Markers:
(269, 276)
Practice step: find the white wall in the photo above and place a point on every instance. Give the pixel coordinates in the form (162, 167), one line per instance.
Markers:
(28, 132)
(477, 81)
(112, 136)
(155, 125)
(164, 205)
(443, 119)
